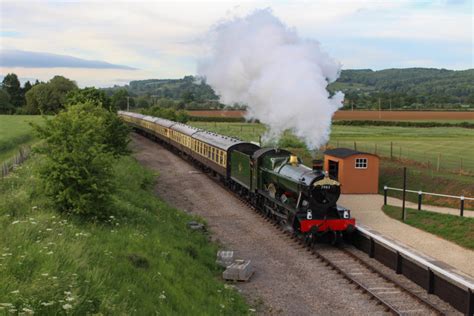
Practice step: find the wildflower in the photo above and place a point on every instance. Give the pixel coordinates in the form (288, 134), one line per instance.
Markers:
(6, 305)
(15, 292)
(27, 310)
(67, 306)
(252, 310)
(48, 229)
(44, 274)
(67, 293)
(15, 222)
(162, 297)
(47, 303)
(222, 305)
(70, 299)
(50, 253)
(34, 208)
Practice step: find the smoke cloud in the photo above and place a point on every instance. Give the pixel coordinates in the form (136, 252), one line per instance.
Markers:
(259, 61)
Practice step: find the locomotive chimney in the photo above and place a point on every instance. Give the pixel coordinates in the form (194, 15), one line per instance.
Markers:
(318, 165)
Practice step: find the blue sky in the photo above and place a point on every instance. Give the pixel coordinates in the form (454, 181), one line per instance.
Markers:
(103, 43)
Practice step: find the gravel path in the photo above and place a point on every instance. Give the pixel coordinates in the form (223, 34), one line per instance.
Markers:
(367, 209)
(287, 281)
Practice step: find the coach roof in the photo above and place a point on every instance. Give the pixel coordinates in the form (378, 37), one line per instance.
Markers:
(344, 152)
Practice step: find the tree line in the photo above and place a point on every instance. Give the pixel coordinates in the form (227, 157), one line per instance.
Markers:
(54, 95)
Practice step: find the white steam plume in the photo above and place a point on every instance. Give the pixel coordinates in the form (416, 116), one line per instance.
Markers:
(260, 62)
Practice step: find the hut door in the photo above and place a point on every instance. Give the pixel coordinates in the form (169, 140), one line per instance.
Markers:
(334, 168)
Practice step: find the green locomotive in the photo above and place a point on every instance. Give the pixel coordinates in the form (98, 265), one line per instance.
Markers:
(303, 198)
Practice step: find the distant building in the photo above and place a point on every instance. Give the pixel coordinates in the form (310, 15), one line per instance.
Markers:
(358, 172)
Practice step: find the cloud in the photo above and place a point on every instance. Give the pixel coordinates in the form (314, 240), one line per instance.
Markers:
(27, 59)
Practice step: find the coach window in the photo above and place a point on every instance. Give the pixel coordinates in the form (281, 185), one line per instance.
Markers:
(361, 163)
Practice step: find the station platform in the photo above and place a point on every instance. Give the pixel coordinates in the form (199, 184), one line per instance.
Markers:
(367, 209)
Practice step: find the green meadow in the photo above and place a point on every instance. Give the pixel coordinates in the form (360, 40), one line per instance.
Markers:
(15, 131)
(453, 147)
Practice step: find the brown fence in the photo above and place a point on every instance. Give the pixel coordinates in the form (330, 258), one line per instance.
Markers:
(16, 160)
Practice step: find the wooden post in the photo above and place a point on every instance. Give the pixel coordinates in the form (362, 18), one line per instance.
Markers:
(462, 206)
(460, 169)
(438, 163)
(355, 146)
(385, 189)
(420, 194)
(400, 154)
(337, 144)
(391, 150)
(375, 151)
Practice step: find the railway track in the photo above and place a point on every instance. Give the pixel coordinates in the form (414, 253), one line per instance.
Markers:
(396, 297)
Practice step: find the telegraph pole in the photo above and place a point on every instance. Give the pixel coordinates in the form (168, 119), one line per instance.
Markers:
(128, 104)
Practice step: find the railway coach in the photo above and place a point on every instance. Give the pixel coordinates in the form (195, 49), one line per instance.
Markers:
(273, 180)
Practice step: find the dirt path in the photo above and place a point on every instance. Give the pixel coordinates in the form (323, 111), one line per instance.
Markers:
(287, 281)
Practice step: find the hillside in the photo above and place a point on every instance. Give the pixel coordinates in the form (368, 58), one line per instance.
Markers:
(143, 261)
(410, 88)
(415, 88)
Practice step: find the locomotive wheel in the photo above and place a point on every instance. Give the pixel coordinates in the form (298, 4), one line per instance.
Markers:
(335, 238)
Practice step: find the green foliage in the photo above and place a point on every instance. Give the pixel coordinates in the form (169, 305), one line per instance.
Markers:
(80, 144)
(141, 261)
(92, 95)
(120, 99)
(11, 85)
(410, 88)
(459, 230)
(167, 113)
(50, 97)
(6, 107)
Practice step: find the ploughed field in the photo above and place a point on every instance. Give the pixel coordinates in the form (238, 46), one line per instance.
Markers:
(452, 147)
(368, 115)
(16, 131)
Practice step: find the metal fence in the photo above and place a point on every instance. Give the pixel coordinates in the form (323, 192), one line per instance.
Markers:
(420, 193)
(433, 156)
(18, 159)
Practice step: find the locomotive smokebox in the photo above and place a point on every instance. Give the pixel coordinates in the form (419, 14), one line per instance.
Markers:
(318, 165)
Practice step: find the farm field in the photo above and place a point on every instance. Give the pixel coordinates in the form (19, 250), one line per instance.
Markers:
(443, 116)
(15, 131)
(453, 147)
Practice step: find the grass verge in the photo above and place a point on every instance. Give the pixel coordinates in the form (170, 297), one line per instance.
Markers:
(459, 230)
(143, 261)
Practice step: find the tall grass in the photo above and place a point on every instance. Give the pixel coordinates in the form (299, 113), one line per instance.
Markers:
(142, 261)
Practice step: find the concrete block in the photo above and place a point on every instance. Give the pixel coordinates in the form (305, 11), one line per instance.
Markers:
(240, 270)
(225, 258)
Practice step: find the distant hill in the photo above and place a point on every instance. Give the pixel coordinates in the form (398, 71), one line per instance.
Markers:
(409, 88)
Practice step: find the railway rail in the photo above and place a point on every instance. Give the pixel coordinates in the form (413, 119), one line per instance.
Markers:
(396, 297)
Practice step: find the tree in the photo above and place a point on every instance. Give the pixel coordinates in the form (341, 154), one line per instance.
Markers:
(50, 97)
(90, 94)
(119, 99)
(26, 87)
(5, 105)
(11, 84)
(79, 147)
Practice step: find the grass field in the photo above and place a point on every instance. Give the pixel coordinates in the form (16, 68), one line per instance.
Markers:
(143, 261)
(15, 131)
(459, 230)
(452, 147)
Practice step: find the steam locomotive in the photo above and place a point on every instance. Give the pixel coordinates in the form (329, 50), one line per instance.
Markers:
(274, 180)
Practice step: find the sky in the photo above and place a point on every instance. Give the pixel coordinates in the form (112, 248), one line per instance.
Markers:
(106, 43)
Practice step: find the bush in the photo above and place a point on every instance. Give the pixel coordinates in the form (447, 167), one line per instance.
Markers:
(80, 146)
(167, 113)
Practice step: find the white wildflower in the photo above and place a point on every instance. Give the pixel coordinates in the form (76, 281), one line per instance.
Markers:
(67, 293)
(48, 229)
(15, 292)
(67, 306)
(70, 299)
(27, 310)
(15, 222)
(6, 304)
(162, 297)
(45, 274)
(253, 310)
(222, 305)
(47, 303)
(50, 253)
